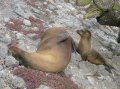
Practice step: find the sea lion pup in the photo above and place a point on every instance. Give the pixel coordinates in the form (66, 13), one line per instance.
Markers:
(53, 53)
(88, 53)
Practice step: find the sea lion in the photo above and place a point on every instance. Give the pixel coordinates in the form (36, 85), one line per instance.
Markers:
(53, 53)
(88, 53)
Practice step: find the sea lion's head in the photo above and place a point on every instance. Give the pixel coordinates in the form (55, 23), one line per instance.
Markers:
(84, 33)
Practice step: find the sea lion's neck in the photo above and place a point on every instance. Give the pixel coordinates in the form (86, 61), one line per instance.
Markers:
(86, 44)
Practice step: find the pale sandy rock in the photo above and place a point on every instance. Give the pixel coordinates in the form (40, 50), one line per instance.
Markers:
(35, 28)
(6, 19)
(19, 36)
(26, 22)
(3, 85)
(18, 82)
(1, 67)
(43, 87)
(22, 9)
(10, 61)
(3, 49)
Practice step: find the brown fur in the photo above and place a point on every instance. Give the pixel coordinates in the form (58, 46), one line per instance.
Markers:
(53, 53)
(87, 52)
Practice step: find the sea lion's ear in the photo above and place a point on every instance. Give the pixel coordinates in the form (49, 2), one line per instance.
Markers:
(80, 32)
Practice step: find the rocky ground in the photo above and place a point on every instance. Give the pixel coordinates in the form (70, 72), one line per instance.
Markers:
(23, 21)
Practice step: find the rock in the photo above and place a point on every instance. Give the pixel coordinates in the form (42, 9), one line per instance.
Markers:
(51, 7)
(102, 71)
(8, 38)
(27, 22)
(2, 60)
(3, 49)
(3, 85)
(10, 61)
(18, 82)
(22, 9)
(110, 18)
(1, 26)
(19, 35)
(43, 87)
(6, 76)
(7, 88)
(103, 4)
(45, 3)
(8, 81)
(31, 35)
(1, 67)
(6, 19)
(35, 28)
(5, 39)
(67, 1)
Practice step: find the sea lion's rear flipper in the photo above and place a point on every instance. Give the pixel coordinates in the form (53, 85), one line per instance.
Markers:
(18, 54)
(108, 67)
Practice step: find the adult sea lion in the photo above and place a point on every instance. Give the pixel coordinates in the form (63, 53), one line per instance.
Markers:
(53, 53)
(88, 53)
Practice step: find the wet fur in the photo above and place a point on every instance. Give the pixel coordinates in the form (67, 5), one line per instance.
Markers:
(88, 53)
(53, 53)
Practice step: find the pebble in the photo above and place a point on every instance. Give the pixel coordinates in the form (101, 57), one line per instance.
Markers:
(3, 85)
(45, 3)
(6, 19)
(19, 35)
(18, 82)
(8, 38)
(22, 9)
(3, 49)
(43, 87)
(35, 28)
(51, 7)
(10, 61)
(26, 22)
(1, 67)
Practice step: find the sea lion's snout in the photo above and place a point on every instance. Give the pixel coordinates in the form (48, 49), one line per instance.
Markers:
(80, 32)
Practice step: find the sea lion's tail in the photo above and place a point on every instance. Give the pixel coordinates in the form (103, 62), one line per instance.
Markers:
(109, 68)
